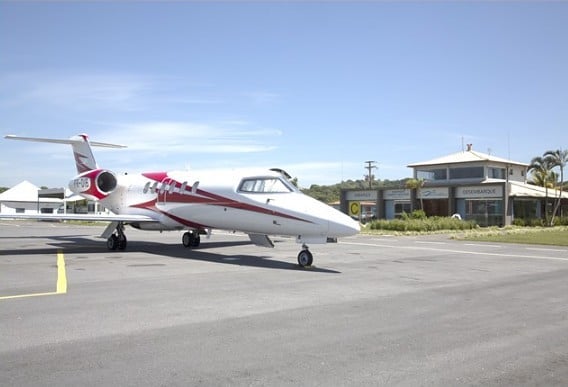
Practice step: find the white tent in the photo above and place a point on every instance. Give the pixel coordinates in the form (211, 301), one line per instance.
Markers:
(24, 199)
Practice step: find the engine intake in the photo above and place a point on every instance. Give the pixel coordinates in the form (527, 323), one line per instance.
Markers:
(96, 184)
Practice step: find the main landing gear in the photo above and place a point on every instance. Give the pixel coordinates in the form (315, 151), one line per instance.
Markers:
(117, 240)
(305, 258)
(191, 239)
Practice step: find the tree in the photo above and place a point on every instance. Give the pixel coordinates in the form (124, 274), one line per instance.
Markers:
(558, 158)
(416, 184)
(543, 176)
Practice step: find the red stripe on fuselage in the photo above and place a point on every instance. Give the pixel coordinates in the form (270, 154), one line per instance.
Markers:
(208, 198)
(151, 205)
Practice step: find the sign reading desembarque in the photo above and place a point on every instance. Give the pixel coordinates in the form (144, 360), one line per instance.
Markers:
(362, 195)
(479, 191)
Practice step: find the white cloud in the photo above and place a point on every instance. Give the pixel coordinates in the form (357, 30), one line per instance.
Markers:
(188, 137)
(76, 91)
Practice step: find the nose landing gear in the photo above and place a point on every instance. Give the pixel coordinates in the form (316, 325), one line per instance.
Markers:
(305, 257)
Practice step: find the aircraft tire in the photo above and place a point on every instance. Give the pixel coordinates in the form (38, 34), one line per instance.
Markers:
(121, 240)
(196, 241)
(186, 239)
(112, 242)
(305, 258)
(190, 239)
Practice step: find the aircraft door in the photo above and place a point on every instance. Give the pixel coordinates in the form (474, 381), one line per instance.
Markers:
(167, 186)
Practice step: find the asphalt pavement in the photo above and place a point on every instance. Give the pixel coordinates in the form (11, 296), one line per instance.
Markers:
(374, 310)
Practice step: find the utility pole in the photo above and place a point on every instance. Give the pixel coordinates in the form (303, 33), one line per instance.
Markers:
(370, 166)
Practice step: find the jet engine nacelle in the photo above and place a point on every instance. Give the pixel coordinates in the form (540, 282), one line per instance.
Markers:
(96, 184)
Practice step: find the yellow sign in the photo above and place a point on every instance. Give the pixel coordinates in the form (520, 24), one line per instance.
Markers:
(354, 208)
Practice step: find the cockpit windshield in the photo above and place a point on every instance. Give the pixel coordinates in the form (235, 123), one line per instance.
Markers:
(265, 185)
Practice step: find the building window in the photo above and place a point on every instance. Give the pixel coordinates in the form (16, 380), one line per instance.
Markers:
(466, 173)
(400, 208)
(484, 212)
(20, 210)
(434, 174)
(496, 173)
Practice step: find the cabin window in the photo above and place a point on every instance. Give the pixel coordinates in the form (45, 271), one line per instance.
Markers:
(264, 185)
(182, 188)
(147, 187)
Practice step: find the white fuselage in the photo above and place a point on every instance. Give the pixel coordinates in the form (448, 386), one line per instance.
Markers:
(257, 202)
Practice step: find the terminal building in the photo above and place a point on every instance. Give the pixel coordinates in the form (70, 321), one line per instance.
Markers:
(472, 185)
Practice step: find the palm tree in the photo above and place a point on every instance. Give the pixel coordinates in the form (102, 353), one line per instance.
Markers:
(558, 158)
(543, 176)
(416, 184)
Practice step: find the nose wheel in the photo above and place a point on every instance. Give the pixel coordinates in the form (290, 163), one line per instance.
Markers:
(305, 257)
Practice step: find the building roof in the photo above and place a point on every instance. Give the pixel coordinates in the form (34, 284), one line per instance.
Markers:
(519, 189)
(23, 192)
(468, 156)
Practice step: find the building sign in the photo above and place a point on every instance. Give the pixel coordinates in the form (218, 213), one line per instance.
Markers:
(479, 191)
(433, 193)
(362, 195)
(397, 194)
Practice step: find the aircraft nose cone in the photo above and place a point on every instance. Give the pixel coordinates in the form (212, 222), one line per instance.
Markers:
(344, 226)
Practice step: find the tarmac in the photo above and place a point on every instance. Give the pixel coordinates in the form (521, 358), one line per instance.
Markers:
(374, 310)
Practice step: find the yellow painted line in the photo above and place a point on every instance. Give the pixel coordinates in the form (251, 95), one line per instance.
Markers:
(60, 286)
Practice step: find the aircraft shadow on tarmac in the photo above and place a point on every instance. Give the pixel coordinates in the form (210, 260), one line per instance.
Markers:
(81, 244)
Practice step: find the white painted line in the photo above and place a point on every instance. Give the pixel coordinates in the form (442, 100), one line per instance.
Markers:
(545, 249)
(432, 243)
(10, 224)
(482, 245)
(465, 252)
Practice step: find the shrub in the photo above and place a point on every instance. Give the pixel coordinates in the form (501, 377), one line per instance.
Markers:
(435, 223)
(535, 222)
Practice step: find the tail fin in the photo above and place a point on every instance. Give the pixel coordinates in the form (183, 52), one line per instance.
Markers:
(84, 159)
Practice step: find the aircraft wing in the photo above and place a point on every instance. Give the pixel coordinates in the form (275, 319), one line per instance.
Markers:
(83, 217)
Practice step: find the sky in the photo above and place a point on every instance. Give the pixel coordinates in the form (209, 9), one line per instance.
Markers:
(316, 88)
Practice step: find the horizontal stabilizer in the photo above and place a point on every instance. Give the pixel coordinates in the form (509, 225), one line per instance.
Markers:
(84, 159)
(261, 240)
(70, 141)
